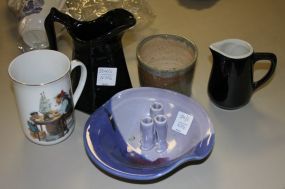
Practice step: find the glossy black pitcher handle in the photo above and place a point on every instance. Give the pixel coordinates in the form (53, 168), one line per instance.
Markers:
(273, 61)
(55, 16)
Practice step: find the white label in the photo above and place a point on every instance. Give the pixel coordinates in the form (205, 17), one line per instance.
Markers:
(106, 76)
(182, 123)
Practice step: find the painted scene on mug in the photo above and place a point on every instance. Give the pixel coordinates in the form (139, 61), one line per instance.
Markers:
(53, 119)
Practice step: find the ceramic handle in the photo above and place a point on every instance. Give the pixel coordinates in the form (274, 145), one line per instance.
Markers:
(82, 80)
(273, 61)
(55, 16)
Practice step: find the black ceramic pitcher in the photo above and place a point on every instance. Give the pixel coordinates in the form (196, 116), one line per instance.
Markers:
(231, 81)
(98, 45)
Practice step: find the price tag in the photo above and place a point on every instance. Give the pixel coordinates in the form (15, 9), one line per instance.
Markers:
(106, 76)
(182, 123)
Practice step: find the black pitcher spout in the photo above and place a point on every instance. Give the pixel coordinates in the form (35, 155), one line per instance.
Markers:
(115, 22)
(108, 25)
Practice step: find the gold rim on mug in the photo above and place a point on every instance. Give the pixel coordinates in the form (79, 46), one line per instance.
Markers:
(34, 52)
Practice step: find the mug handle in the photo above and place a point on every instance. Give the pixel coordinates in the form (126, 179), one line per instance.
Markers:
(82, 80)
(273, 61)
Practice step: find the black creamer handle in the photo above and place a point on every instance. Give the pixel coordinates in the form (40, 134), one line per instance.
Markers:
(273, 61)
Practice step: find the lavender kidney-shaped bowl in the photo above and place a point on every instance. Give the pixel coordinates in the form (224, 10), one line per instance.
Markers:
(112, 136)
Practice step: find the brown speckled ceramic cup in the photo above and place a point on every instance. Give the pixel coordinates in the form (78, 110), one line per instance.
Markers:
(167, 61)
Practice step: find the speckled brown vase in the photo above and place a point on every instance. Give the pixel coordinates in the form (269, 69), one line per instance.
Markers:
(167, 61)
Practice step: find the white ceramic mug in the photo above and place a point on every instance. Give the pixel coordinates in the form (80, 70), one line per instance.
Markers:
(42, 86)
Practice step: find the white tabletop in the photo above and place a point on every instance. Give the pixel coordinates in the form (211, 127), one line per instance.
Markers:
(250, 142)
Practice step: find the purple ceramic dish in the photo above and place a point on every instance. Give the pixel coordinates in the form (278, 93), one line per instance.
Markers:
(112, 137)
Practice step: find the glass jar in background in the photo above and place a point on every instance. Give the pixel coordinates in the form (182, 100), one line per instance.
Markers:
(31, 15)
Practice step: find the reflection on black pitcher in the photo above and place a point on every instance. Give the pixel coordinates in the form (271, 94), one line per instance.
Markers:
(231, 81)
(98, 45)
